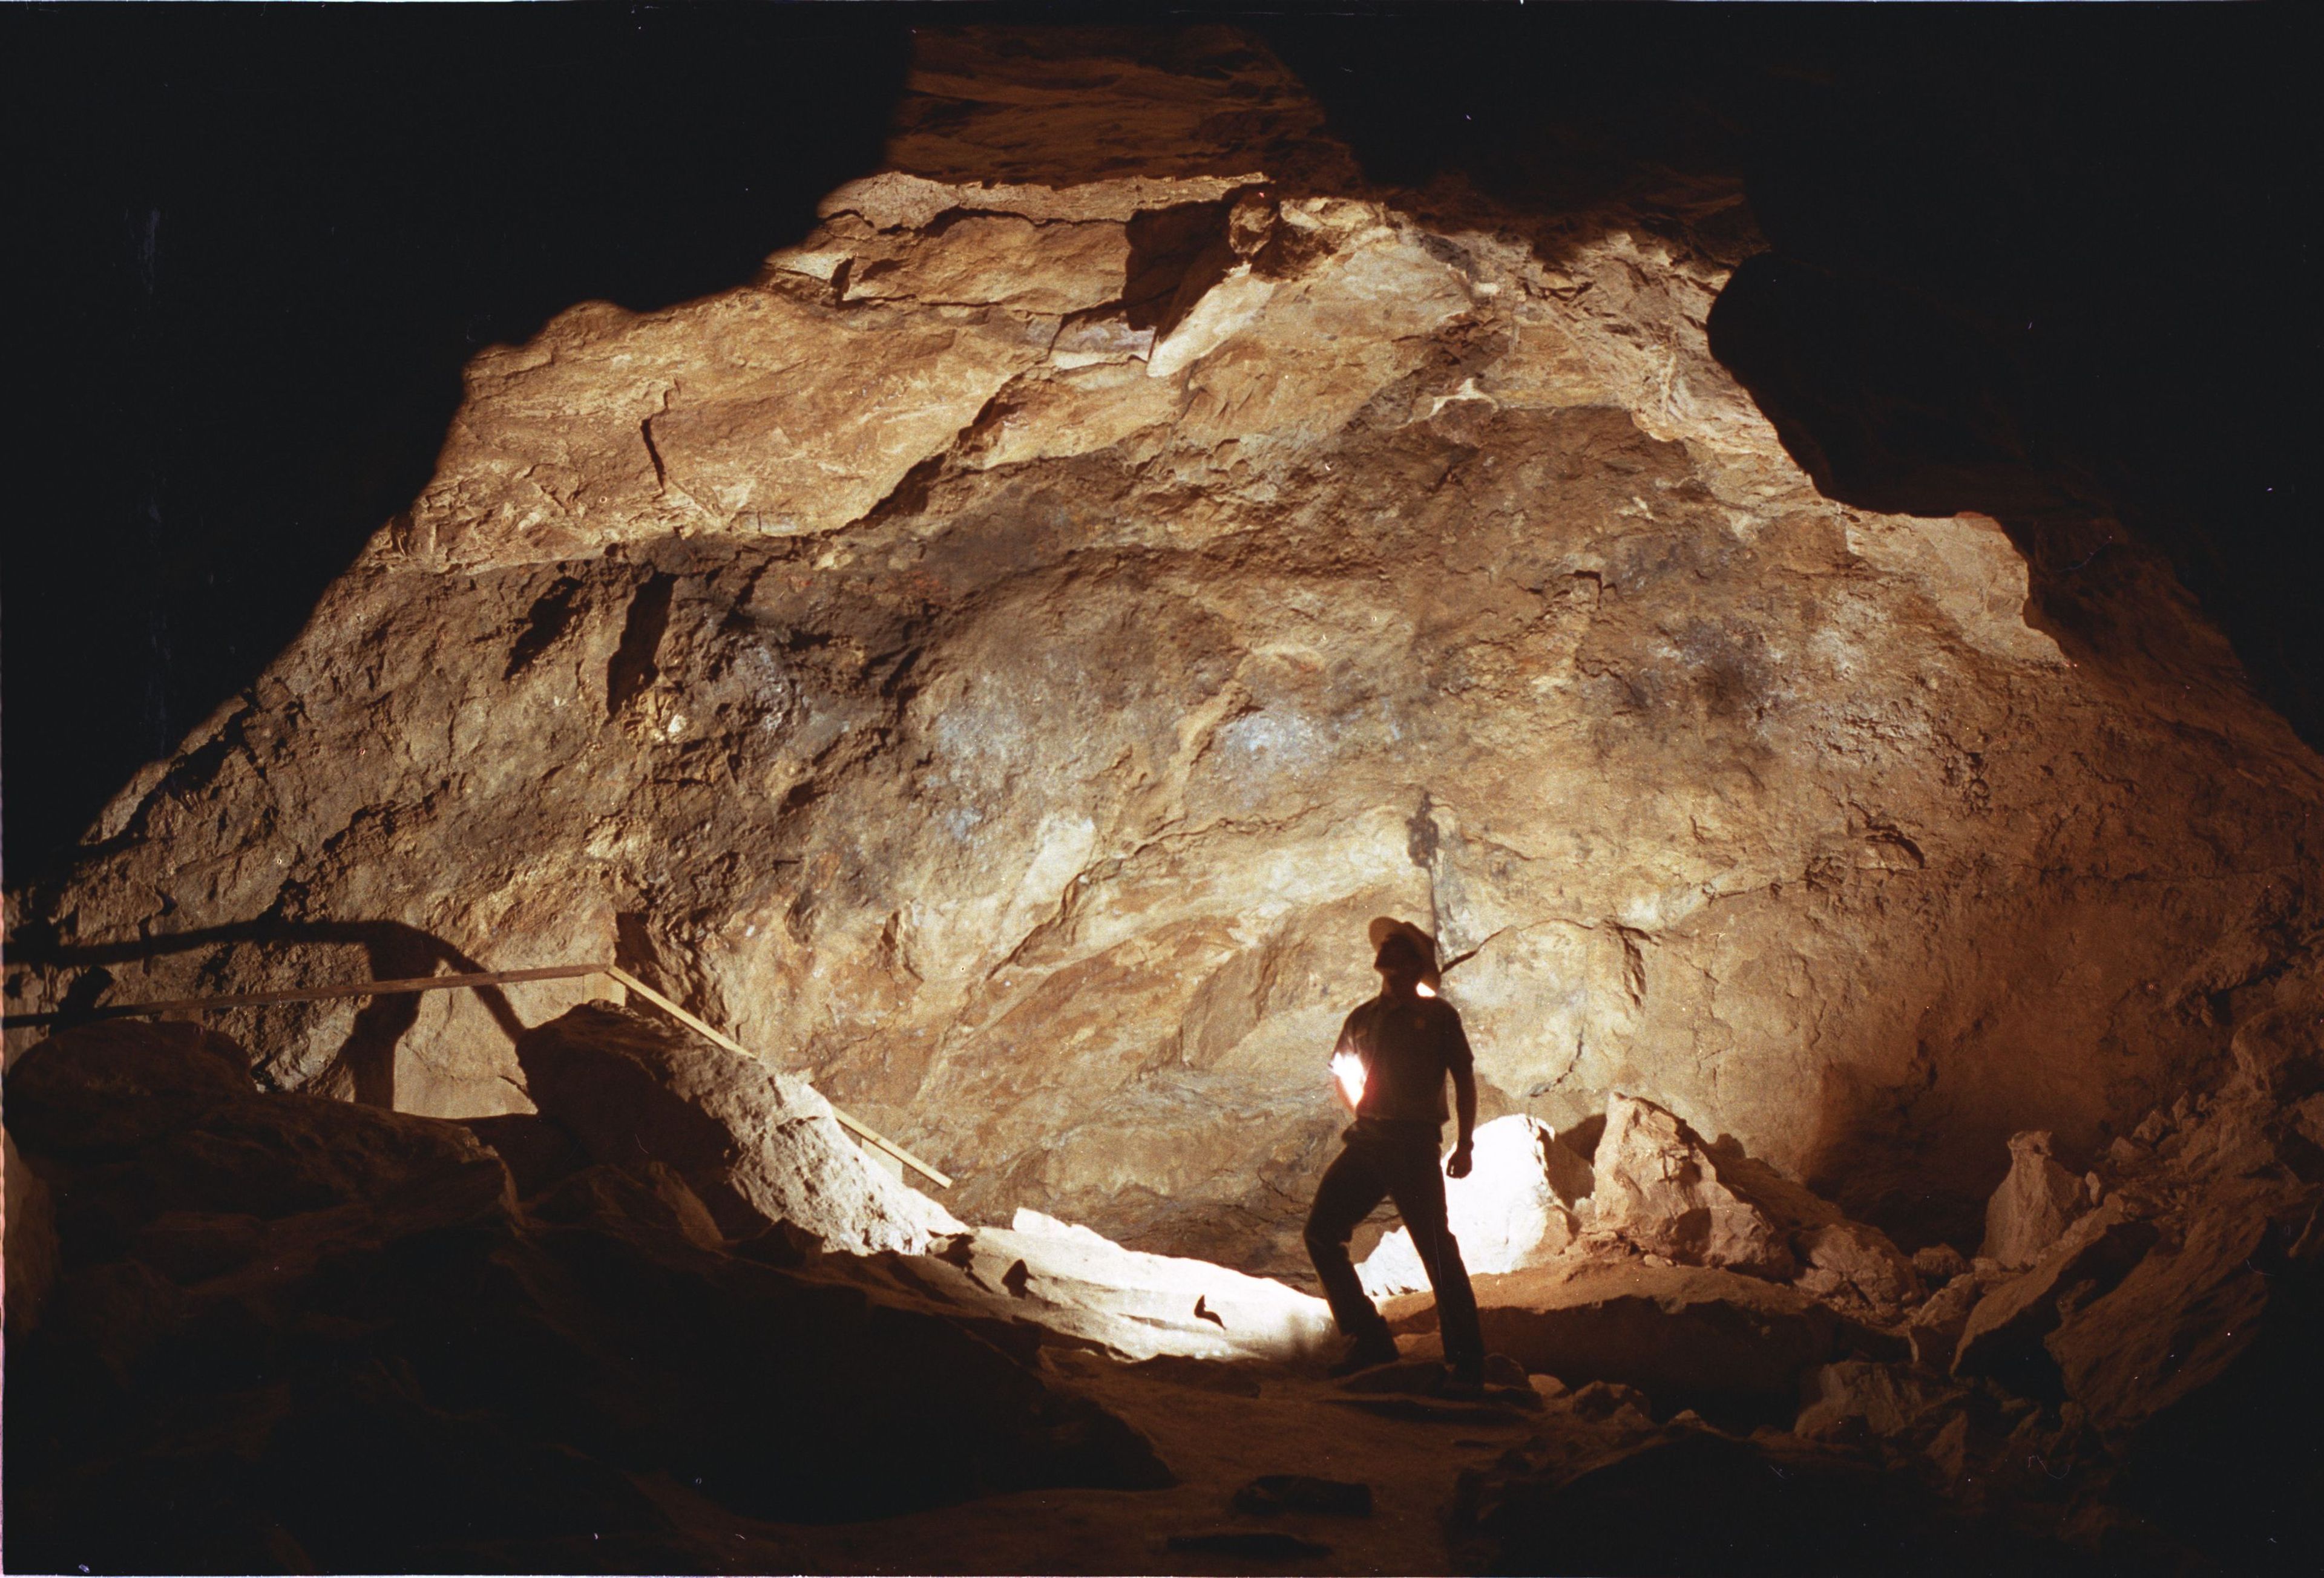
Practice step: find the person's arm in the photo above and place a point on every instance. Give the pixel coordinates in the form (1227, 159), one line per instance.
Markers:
(1461, 1063)
(1464, 1106)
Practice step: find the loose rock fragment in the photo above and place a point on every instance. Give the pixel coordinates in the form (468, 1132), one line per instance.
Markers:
(2033, 1203)
(1657, 1186)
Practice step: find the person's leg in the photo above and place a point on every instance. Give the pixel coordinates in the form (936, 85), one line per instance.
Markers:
(1352, 1187)
(1417, 1183)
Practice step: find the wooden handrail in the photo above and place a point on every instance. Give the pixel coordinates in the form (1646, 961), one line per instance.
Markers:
(732, 1045)
(554, 972)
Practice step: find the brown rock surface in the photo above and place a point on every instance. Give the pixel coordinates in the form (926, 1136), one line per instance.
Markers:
(2004, 1333)
(1878, 1399)
(994, 663)
(1658, 1187)
(1935, 1329)
(757, 1147)
(2032, 1206)
(1862, 1261)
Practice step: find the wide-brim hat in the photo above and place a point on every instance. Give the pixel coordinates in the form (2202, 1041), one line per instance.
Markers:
(1384, 927)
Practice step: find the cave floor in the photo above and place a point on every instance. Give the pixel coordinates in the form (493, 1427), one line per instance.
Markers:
(1216, 1442)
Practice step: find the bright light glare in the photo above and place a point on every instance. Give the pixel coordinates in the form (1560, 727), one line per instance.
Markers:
(1424, 988)
(1348, 1069)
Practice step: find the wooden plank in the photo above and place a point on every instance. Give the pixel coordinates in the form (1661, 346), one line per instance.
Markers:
(555, 972)
(862, 1131)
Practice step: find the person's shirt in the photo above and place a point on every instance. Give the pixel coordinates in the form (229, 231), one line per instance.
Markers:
(1407, 1046)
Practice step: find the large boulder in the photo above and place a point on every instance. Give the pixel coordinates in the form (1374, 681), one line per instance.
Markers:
(158, 1145)
(2033, 1203)
(104, 1089)
(1506, 1215)
(1688, 1336)
(2003, 1334)
(1862, 1395)
(2280, 1051)
(1659, 1188)
(1857, 1259)
(758, 1146)
(2177, 1323)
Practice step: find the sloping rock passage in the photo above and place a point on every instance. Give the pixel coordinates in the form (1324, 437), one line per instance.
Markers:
(998, 661)
(297, 1334)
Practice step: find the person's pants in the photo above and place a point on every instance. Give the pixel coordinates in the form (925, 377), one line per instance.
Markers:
(1397, 1162)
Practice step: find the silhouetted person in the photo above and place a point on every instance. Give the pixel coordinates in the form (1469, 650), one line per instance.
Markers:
(1405, 1041)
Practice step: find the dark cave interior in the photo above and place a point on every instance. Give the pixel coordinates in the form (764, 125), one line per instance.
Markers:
(2033, 269)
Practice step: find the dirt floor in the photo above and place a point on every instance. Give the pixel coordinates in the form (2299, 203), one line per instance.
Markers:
(1219, 1427)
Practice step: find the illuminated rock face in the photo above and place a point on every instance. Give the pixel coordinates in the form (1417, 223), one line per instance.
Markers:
(998, 661)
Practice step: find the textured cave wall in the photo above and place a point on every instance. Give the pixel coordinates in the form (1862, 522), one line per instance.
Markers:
(997, 662)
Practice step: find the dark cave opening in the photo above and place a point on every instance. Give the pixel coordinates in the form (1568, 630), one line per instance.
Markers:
(271, 239)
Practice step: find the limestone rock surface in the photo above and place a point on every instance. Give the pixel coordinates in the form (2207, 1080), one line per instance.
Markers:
(1506, 1215)
(995, 660)
(1658, 1187)
(1862, 1260)
(1860, 1395)
(758, 1146)
(2005, 1330)
(1935, 1329)
(2033, 1203)
(31, 1237)
(1069, 1279)
(1572, 1179)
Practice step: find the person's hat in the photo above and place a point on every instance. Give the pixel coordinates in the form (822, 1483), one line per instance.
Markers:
(1386, 926)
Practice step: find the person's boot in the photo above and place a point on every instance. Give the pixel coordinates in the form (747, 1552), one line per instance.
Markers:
(1365, 1352)
(1464, 1379)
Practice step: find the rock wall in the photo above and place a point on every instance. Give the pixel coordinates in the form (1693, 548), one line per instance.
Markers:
(997, 661)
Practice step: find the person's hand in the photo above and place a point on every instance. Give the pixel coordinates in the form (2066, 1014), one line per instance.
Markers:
(1458, 1167)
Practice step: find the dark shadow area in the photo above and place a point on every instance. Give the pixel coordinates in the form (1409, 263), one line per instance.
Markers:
(2043, 266)
(264, 242)
(364, 1062)
(292, 1334)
